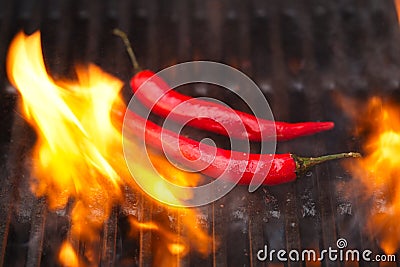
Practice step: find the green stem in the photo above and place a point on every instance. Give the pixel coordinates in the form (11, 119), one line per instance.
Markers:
(132, 56)
(304, 164)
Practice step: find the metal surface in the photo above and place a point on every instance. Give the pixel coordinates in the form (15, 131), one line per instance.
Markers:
(299, 52)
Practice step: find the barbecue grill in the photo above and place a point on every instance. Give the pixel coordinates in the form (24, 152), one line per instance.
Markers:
(300, 53)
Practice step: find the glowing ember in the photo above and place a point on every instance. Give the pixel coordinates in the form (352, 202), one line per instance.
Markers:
(78, 154)
(379, 170)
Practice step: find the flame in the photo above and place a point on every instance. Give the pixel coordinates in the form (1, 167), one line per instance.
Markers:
(78, 153)
(379, 170)
(73, 155)
(177, 248)
(68, 256)
(397, 6)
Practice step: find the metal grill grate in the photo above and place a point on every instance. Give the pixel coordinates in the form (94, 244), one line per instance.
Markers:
(299, 52)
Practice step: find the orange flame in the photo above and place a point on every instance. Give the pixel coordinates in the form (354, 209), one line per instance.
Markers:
(78, 154)
(68, 256)
(75, 137)
(379, 170)
(397, 5)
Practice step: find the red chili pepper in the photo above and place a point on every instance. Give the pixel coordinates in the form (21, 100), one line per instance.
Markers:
(284, 167)
(205, 115)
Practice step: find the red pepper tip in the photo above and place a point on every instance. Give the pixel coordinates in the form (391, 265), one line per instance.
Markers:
(315, 127)
(320, 126)
(288, 131)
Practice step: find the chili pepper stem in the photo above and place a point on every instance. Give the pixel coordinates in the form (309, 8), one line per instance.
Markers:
(304, 164)
(128, 46)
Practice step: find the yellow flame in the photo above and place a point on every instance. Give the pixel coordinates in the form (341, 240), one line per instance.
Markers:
(177, 248)
(76, 141)
(68, 256)
(379, 170)
(78, 154)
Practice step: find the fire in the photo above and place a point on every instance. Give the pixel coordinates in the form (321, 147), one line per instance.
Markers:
(397, 5)
(73, 156)
(379, 170)
(78, 154)
(68, 256)
(177, 248)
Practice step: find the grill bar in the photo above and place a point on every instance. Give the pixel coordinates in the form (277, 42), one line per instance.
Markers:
(11, 182)
(5, 211)
(7, 185)
(5, 30)
(255, 232)
(36, 237)
(220, 246)
(109, 240)
(145, 215)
